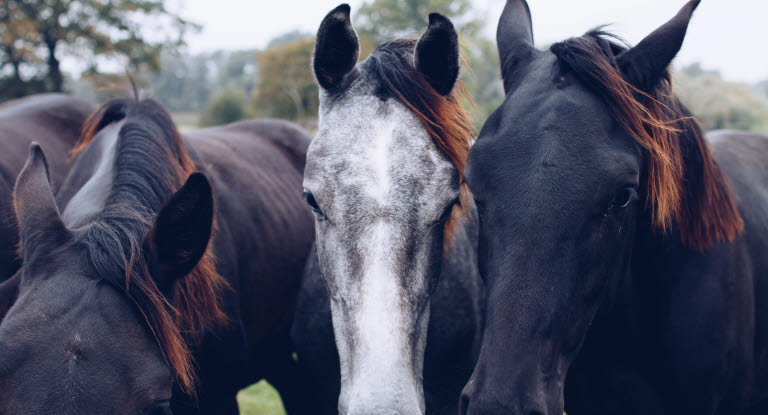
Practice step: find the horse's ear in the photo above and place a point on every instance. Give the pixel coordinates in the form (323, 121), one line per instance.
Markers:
(437, 54)
(36, 210)
(9, 290)
(645, 64)
(514, 39)
(180, 234)
(336, 49)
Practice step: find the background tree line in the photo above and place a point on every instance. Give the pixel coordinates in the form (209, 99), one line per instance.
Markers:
(211, 88)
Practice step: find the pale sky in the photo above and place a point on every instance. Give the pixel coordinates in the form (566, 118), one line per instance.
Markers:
(728, 35)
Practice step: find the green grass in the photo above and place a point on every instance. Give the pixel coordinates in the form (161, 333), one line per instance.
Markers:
(260, 399)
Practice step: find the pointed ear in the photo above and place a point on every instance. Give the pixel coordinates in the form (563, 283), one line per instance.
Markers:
(9, 291)
(514, 38)
(645, 64)
(336, 49)
(36, 210)
(180, 234)
(437, 54)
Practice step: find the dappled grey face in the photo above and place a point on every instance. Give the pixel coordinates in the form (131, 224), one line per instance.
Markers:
(72, 344)
(381, 192)
(384, 192)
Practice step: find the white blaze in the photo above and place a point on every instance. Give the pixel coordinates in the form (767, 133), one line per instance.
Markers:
(379, 159)
(382, 361)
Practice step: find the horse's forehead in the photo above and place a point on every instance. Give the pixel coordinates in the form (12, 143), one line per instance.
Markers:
(64, 313)
(365, 133)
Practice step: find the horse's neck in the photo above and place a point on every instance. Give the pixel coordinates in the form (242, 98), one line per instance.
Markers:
(93, 182)
(193, 154)
(90, 197)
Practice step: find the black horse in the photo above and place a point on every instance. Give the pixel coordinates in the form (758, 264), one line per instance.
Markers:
(136, 297)
(52, 120)
(625, 254)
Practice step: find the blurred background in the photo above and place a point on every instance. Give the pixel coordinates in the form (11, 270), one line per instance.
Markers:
(214, 62)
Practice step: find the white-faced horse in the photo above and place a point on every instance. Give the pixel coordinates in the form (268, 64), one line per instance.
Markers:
(395, 271)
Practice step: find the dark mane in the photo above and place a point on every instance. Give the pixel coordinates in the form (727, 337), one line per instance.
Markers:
(682, 182)
(151, 164)
(443, 116)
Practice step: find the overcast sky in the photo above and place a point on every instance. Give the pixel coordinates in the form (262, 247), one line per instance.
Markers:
(729, 35)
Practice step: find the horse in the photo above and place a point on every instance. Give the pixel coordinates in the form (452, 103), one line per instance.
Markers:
(394, 272)
(166, 281)
(623, 251)
(54, 120)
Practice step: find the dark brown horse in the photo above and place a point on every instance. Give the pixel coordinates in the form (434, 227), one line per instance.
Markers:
(625, 252)
(135, 297)
(55, 122)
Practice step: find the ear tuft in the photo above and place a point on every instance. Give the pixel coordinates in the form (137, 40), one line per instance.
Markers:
(336, 49)
(645, 64)
(437, 54)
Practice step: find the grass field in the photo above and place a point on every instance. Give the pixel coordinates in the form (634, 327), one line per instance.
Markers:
(260, 399)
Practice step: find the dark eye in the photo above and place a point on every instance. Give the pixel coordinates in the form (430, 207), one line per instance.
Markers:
(623, 197)
(159, 408)
(310, 198)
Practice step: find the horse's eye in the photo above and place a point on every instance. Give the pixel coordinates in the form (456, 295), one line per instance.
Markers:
(623, 197)
(310, 198)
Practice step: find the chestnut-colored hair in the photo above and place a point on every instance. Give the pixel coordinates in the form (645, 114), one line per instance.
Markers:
(682, 183)
(151, 164)
(444, 117)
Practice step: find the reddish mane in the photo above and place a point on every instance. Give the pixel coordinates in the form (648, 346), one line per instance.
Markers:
(151, 148)
(683, 184)
(443, 116)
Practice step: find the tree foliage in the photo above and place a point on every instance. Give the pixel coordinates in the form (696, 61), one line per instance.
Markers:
(286, 86)
(224, 107)
(381, 20)
(719, 104)
(186, 82)
(36, 34)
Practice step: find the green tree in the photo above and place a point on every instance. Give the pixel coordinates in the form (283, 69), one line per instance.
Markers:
(37, 33)
(761, 89)
(238, 71)
(184, 81)
(382, 20)
(483, 79)
(719, 104)
(286, 38)
(224, 107)
(286, 86)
